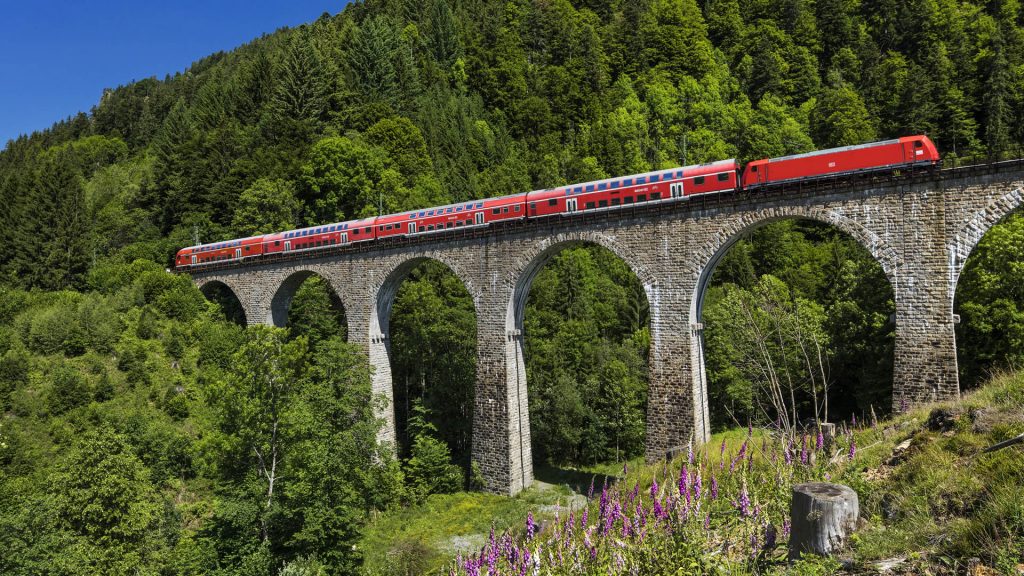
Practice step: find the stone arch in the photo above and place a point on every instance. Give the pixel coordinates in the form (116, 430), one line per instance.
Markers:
(281, 302)
(970, 234)
(382, 295)
(522, 272)
(209, 287)
(525, 267)
(730, 232)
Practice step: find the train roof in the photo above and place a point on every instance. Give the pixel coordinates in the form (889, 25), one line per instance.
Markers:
(224, 244)
(834, 150)
(454, 208)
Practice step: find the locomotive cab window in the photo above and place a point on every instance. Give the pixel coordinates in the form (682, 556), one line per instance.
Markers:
(918, 144)
(753, 168)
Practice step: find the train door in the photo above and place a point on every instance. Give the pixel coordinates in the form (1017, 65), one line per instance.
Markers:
(238, 252)
(194, 259)
(287, 245)
(412, 227)
(344, 237)
(479, 217)
(677, 189)
(913, 150)
(570, 204)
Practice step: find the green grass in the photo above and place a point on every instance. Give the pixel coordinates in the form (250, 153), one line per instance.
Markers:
(935, 506)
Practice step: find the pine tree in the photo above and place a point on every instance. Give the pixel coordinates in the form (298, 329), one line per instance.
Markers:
(372, 59)
(301, 97)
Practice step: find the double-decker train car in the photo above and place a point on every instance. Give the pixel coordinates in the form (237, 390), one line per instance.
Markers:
(899, 152)
(675, 184)
(220, 251)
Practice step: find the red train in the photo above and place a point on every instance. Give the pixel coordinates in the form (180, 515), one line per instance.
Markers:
(675, 184)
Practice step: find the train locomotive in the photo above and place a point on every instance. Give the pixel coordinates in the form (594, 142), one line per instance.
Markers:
(671, 185)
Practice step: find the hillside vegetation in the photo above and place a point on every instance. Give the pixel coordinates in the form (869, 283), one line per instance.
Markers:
(142, 429)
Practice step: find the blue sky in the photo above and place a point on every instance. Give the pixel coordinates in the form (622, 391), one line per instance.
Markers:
(57, 56)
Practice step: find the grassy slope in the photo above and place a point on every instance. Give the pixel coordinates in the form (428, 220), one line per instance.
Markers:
(932, 505)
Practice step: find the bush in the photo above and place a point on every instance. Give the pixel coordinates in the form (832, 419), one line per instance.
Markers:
(70, 390)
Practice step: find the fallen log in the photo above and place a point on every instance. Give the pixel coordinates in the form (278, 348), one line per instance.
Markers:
(1004, 444)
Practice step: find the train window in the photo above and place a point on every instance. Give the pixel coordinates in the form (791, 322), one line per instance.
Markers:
(448, 211)
(277, 242)
(553, 202)
(616, 201)
(698, 180)
(723, 176)
(577, 190)
(381, 228)
(367, 229)
(533, 205)
(590, 206)
(602, 186)
(496, 211)
(627, 200)
(602, 203)
(653, 178)
(679, 174)
(505, 209)
(753, 168)
(641, 180)
(458, 222)
(479, 204)
(590, 188)
(458, 208)
(918, 144)
(641, 197)
(355, 232)
(627, 182)
(247, 248)
(430, 228)
(655, 195)
(448, 225)
(517, 207)
(615, 185)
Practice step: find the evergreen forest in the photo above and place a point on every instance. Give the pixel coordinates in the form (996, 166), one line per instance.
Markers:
(144, 429)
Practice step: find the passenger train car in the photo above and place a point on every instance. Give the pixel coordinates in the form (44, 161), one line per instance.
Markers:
(672, 185)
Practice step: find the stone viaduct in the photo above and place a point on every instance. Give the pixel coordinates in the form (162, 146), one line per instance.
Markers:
(920, 228)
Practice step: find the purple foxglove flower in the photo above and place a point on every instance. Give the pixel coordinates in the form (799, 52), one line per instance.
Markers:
(769, 537)
(789, 453)
(684, 478)
(590, 492)
(786, 527)
(819, 442)
(531, 526)
(743, 504)
(689, 453)
(853, 449)
(696, 484)
(714, 487)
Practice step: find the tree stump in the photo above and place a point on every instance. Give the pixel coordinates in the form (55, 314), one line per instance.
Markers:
(823, 516)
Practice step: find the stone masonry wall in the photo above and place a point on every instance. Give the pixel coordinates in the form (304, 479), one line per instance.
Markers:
(920, 231)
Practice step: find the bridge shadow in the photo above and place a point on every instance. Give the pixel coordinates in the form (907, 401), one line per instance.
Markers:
(576, 480)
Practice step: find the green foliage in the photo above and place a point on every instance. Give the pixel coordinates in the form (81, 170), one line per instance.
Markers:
(265, 207)
(429, 469)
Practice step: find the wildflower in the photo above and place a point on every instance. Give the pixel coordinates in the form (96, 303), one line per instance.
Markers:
(696, 484)
(769, 537)
(714, 487)
(583, 518)
(819, 442)
(786, 527)
(689, 453)
(531, 526)
(590, 492)
(789, 453)
(683, 481)
(654, 488)
(743, 504)
(853, 448)
(707, 521)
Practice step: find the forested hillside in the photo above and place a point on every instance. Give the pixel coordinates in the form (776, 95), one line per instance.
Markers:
(138, 421)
